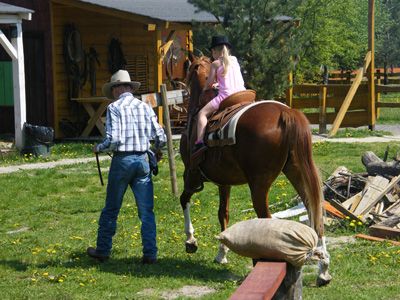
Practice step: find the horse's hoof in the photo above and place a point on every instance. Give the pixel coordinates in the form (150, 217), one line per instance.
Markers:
(323, 280)
(191, 247)
(221, 261)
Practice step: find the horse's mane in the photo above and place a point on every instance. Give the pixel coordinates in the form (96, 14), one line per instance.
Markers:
(196, 80)
(199, 66)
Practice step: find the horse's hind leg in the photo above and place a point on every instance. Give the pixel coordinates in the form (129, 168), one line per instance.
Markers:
(223, 217)
(191, 242)
(259, 189)
(295, 176)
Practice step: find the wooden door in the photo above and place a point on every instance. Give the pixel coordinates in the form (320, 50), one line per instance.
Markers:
(35, 84)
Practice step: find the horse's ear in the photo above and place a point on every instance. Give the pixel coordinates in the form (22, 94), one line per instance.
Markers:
(191, 56)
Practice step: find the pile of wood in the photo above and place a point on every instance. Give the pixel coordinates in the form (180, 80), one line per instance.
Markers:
(371, 199)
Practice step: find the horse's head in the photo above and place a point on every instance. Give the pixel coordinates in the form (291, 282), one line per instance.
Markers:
(196, 80)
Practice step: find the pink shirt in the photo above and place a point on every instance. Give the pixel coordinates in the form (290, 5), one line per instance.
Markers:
(231, 83)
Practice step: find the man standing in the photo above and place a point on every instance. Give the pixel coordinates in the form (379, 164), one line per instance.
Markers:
(130, 126)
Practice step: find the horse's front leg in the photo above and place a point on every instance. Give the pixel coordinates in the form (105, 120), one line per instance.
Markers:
(223, 217)
(323, 274)
(191, 242)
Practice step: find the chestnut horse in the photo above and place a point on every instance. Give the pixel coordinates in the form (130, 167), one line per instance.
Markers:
(270, 138)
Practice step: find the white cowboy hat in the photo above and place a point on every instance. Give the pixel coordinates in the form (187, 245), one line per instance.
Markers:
(119, 77)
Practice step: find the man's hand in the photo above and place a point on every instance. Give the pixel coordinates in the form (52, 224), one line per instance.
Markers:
(158, 154)
(94, 149)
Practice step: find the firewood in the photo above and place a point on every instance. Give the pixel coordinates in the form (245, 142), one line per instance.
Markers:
(372, 190)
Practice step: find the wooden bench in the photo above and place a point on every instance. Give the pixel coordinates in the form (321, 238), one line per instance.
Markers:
(271, 280)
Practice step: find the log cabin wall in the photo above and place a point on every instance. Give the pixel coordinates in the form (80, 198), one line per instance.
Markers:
(97, 30)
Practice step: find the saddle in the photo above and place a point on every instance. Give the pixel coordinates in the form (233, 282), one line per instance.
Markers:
(228, 108)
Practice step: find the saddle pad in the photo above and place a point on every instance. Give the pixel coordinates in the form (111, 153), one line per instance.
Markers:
(227, 134)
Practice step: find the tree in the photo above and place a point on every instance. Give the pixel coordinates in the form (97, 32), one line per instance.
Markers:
(327, 36)
(387, 33)
(333, 33)
(261, 38)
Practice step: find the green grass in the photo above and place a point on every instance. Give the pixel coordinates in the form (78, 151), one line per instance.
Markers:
(389, 115)
(57, 212)
(57, 152)
(356, 133)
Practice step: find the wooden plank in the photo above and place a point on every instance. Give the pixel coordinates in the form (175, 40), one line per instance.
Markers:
(344, 211)
(262, 282)
(393, 209)
(376, 239)
(388, 104)
(387, 88)
(384, 232)
(349, 203)
(154, 99)
(392, 183)
(306, 88)
(374, 187)
(290, 212)
(356, 202)
(332, 210)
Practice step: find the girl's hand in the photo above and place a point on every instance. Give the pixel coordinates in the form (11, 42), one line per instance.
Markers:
(215, 86)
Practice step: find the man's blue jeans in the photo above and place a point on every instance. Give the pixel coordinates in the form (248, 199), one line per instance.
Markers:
(133, 170)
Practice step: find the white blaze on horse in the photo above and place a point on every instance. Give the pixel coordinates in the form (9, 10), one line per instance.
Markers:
(270, 138)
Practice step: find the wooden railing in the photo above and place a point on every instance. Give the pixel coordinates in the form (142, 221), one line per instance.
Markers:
(350, 95)
(342, 105)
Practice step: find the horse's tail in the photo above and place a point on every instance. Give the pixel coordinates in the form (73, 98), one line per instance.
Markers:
(297, 134)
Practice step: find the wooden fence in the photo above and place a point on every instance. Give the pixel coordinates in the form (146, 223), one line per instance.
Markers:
(342, 104)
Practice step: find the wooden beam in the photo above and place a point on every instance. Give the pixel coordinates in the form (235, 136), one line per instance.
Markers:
(158, 72)
(350, 95)
(19, 88)
(376, 239)
(262, 282)
(371, 70)
(322, 110)
(170, 146)
(151, 27)
(384, 232)
(8, 46)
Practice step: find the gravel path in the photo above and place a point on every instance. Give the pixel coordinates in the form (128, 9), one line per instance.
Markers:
(394, 129)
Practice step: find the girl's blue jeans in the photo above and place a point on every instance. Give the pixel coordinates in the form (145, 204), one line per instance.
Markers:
(128, 168)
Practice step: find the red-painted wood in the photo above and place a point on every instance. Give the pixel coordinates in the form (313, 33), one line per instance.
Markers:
(262, 282)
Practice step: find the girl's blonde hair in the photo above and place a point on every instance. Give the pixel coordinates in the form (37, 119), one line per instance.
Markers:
(223, 49)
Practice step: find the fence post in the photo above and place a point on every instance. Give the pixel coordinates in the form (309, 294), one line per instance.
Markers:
(322, 109)
(378, 94)
(171, 155)
(289, 91)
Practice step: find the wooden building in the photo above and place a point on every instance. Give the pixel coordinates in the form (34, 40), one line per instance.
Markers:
(73, 46)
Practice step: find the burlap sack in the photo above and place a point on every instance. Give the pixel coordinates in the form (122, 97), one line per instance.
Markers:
(274, 239)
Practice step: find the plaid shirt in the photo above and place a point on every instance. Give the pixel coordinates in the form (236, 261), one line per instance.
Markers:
(130, 126)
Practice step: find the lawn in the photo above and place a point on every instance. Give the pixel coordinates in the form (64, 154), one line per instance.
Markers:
(49, 217)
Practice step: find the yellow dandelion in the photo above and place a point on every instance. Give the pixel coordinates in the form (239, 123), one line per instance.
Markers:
(81, 284)
(45, 274)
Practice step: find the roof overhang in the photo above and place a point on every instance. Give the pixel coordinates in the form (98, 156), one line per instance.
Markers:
(11, 14)
(120, 9)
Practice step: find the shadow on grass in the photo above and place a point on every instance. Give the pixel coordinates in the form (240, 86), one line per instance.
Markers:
(170, 267)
